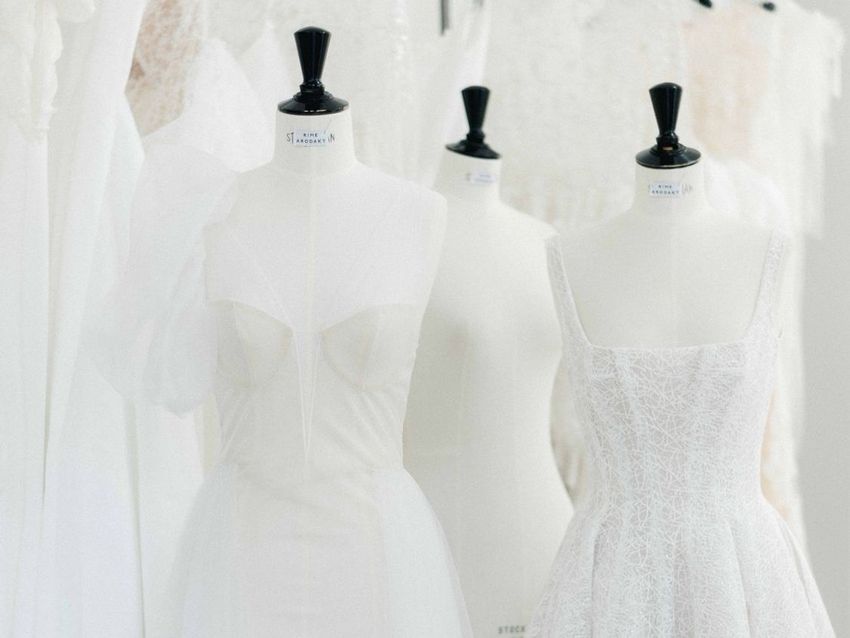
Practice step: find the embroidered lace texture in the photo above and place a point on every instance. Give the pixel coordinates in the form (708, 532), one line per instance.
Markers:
(675, 538)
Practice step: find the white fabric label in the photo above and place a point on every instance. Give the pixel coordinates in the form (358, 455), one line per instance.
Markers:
(481, 177)
(666, 189)
(310, 138)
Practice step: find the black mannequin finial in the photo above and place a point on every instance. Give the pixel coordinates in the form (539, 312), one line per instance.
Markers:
(667, 152)
(475, 102)
(769, 6)
(312, 44)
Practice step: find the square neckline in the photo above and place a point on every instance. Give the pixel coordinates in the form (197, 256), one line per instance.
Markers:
(773, 246)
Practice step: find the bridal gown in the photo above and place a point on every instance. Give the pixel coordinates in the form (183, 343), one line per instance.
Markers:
(306, 333)
(761, 125)
(676, 538)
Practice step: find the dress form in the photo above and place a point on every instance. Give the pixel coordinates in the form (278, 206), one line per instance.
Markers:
(669, 271)
(477, 426)
(296, 299)
(675, 537)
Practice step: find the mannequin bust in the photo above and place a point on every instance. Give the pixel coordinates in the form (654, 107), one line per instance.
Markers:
(320, 275)
(671, 270)
(477, 427)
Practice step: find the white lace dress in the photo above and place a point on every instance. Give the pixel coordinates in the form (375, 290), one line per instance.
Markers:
(676, 537)
(762, 127)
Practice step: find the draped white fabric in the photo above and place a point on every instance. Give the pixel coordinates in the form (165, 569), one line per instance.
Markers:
(89, 559)
(400, 64)
(23, 371)
(92, 491)
(30, 42)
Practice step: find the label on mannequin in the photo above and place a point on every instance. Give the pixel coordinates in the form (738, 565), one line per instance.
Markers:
(481, 177)
(668, 189)
(516, 631)
(306, 137)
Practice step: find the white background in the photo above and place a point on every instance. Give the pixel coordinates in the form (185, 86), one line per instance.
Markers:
(825, 456)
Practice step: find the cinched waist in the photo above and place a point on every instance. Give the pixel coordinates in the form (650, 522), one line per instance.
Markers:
(291, 475)
(694, 498)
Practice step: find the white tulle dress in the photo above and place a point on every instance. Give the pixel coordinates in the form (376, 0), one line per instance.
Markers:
(308, 525)
(676, 538)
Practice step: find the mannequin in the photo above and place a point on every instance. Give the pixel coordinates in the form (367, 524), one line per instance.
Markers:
(671, 336)
(299, 309)
(671, 270)
(477, 425)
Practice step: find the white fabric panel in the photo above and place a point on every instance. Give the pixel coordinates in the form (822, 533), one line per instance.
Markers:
(762, 125)
(23, 371)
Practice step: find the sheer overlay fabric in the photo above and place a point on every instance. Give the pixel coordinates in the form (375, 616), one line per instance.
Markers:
(305, 329)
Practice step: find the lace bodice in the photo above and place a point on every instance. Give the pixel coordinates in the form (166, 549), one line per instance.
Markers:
(678, 420)
(675, 537)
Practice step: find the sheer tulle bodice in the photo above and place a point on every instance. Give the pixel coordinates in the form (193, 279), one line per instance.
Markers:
(676, 538)
(296, 301)
(303, 403)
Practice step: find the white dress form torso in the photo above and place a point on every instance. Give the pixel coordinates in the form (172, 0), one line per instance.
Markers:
(670, 271)
(315, 282)
(477, 425)
(673, 389)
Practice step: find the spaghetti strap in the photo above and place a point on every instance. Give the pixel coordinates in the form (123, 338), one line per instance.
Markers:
(564, 302)
(765, 308)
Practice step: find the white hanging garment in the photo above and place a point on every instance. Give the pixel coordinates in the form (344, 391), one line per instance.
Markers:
(304, 324)
(762, 138)
(23, 370)
(676, 538)
(207, 75)
(89, 580)
(30, 43)
(220, 112)
(401, 63)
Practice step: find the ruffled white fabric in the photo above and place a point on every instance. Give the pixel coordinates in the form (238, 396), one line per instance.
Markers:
(156, 320)
(30, 45)
(676, 538)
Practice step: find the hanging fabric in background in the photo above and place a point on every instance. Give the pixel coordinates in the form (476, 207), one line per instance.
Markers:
(762, 125)
(400, 75)
(208, 74)
(30, 44)
(89, 555)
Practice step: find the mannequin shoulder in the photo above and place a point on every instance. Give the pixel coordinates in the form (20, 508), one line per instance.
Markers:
(406, 195)
(528, 226)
